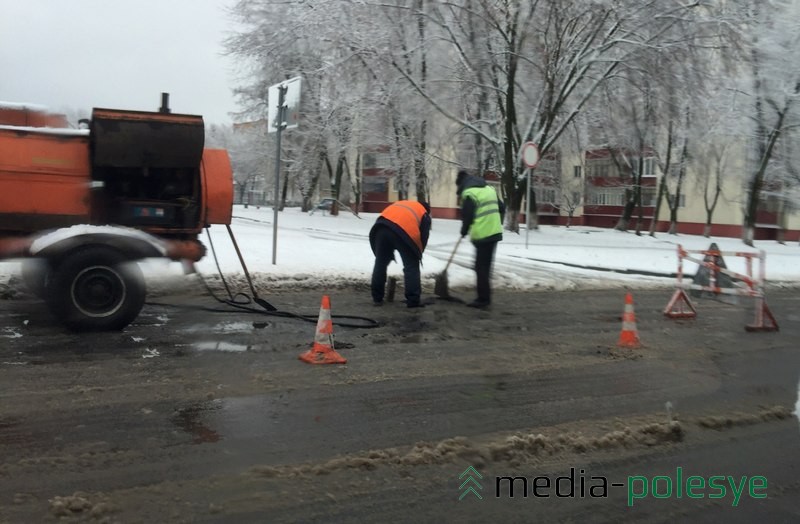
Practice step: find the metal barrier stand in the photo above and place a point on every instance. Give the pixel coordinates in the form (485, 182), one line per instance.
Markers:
(680, 305)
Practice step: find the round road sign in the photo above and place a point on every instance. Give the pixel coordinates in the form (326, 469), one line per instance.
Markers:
(530, 154)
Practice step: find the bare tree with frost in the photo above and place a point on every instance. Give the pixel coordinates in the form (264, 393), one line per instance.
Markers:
(769, 36)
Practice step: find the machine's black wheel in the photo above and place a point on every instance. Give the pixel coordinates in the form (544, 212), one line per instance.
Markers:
(36, 275)
(96, 289)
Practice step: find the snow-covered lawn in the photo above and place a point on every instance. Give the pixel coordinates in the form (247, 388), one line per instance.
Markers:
(334, 249)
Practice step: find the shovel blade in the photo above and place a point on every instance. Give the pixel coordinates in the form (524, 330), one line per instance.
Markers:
(441, 285)
(391, 286)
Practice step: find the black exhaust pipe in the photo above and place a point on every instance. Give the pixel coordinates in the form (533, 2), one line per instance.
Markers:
(164, 103)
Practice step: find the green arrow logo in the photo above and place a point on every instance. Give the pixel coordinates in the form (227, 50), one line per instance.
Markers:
(469, 483)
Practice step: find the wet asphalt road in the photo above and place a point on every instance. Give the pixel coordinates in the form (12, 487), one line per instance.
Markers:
(166, 420)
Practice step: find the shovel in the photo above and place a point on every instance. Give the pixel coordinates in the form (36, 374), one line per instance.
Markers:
(440, 288)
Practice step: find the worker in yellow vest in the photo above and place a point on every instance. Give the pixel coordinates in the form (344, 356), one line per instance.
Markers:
(404, 227)
(482, 215)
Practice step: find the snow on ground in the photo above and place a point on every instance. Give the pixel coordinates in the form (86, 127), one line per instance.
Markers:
(330, 250)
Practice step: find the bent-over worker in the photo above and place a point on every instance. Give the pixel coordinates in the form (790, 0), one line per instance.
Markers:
(404, 227)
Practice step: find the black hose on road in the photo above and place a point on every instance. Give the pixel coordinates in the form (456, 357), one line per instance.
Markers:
(243, 301)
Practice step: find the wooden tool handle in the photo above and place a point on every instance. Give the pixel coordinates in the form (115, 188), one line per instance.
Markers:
(452, 254)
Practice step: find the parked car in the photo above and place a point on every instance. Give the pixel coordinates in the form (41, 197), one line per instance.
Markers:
(326, 204)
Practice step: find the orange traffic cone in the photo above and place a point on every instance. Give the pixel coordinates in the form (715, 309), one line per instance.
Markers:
(322, 352)
(629, 337)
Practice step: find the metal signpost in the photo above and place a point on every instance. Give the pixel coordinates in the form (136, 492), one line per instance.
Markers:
(280, 116)
(530, 157)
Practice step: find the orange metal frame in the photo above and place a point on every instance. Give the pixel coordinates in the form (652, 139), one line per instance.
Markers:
(680, 306)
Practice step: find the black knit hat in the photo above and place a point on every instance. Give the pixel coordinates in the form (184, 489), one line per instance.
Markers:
(461, 176)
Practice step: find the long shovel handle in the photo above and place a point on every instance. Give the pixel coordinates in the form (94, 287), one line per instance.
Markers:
(452, 255)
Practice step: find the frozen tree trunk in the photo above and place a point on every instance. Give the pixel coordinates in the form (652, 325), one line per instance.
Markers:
(513, 209)
(533, 221)
(357, 185)
(308, 194)
(748, 233)
(673, 215)
(512, 220)
(284, 191)
(337, 182)
(657, 211)
(625, 219)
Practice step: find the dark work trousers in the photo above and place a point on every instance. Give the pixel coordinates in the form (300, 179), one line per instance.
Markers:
(484, 254)
(386, 242)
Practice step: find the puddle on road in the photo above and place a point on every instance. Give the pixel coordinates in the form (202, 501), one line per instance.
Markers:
(221, 346)
(245, 420)
(226, 327)
(189, 420)
(210, 421)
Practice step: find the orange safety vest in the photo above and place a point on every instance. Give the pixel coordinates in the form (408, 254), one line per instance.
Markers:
(408, 215)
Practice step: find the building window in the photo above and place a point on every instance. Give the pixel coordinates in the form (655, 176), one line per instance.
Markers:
(576, 171)
(546, 196)
(607, 198)
(465, 151)
(399, 184)
(648, 197)
(377, 160)
(681, 200)
(597, 170)
(649, 167)
(374, 184)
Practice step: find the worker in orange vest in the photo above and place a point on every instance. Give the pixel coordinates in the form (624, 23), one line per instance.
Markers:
(403, 227)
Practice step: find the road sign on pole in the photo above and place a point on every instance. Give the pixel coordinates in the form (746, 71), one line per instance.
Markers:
(530, 154)
(530, 157)
(284, 100)
(290, 105)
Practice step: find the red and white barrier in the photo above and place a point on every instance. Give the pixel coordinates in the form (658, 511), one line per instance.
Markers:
(680, 305)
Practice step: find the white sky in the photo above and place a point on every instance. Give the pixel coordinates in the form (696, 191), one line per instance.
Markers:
(80, 54)
(323, 250)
